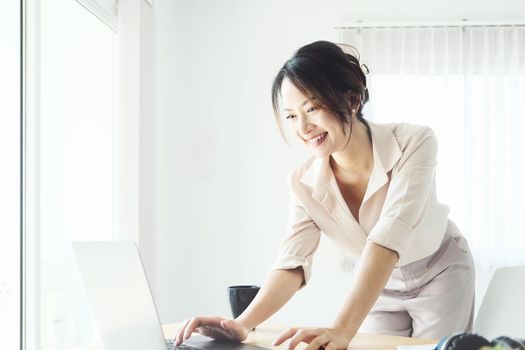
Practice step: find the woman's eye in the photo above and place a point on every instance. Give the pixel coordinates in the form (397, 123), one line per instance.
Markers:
(311, 109)
(290, 116)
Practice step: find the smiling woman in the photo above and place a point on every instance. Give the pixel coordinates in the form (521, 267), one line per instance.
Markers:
(370, 188)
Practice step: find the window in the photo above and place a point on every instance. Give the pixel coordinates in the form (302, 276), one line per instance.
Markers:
(71, 133)
(10, 184)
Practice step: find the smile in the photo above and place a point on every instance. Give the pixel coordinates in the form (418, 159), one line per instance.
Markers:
(316, 141)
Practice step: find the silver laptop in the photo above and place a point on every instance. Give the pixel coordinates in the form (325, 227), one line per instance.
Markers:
(122, 303)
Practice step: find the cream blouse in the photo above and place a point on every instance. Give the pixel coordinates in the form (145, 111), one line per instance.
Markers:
(399, 211)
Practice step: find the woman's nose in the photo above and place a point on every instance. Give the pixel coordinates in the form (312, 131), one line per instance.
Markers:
(304, 125)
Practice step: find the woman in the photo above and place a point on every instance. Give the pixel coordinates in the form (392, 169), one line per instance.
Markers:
(371, 189)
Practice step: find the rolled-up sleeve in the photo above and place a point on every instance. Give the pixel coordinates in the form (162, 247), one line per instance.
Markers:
(301, 241)
(410, 190)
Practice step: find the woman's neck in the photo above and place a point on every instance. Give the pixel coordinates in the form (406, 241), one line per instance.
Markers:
(356, 158)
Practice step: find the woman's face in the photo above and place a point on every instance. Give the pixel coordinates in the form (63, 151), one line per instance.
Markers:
(315, 127)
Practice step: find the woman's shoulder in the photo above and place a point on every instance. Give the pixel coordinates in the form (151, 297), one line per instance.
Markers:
(418, 144)
(408, 134)
(407, 130)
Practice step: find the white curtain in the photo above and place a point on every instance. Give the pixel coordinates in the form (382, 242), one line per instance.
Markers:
(468, 84)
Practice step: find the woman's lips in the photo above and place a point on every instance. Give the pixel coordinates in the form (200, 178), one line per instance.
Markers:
(316, 141)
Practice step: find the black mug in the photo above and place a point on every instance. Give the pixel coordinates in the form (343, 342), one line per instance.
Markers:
(241, 297)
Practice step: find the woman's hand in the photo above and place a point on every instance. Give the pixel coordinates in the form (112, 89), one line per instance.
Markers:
(214, 327)
(317, 338)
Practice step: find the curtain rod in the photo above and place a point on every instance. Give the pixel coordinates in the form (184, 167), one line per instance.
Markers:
(443, 24)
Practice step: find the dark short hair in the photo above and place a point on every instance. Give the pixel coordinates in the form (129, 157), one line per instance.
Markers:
(325, 71)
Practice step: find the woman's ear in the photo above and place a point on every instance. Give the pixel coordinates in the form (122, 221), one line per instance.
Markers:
(354, 100)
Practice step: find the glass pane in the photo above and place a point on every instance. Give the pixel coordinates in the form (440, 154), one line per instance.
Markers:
(76, 161)
(10, 175)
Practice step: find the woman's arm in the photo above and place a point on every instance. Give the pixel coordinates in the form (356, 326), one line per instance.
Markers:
(374, 269)
(279, 287)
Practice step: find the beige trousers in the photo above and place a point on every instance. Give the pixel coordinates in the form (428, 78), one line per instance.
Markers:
(430, 298)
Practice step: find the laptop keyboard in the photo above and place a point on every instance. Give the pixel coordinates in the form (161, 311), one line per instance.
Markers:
(171, 346)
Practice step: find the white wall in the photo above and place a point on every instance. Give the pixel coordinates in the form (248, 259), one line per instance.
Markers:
(221, 166)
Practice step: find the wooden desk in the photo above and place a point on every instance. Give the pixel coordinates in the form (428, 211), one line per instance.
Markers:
(265, 334)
